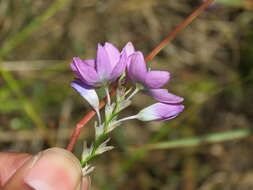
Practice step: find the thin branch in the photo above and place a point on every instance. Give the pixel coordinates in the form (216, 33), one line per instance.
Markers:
(150, 56)
(178, 29)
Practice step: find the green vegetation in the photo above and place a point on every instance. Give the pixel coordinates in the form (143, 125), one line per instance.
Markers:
(211, 67)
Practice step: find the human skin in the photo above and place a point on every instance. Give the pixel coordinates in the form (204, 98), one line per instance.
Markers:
(51, 169)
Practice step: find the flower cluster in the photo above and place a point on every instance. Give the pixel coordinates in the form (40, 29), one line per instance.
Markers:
(114, 68)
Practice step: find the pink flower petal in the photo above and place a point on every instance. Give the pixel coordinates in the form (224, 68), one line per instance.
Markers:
(85, 72)
(156, 79)
(163, 96)
(129, 49)
(90, 62)
(120, 67)
(113, 53)
(137, 69)
(103, 64)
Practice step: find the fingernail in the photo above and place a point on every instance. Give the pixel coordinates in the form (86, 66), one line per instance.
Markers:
(54, 168)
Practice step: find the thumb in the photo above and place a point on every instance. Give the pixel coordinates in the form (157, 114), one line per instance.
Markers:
(51, 169)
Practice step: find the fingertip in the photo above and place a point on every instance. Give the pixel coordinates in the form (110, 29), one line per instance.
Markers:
(54, 168)
(10, 163)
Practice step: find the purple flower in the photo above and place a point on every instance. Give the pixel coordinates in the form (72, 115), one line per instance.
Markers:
(89, 95)
(138, 73)
(107, 67)
(151, 81)
(159, 112)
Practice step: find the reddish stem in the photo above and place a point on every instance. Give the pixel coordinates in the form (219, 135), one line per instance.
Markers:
(178, 29)
(82, 123)
(151, 55)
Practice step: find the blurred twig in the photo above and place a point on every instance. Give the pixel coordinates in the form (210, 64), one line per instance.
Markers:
(178, 29)
(33, 65)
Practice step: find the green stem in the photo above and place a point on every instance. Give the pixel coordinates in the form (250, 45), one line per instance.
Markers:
(197, 141)
(100, 139)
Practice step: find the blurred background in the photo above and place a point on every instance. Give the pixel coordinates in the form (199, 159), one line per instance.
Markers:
(209, 146)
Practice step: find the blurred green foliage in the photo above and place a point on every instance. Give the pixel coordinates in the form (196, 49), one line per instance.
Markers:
(8, 104)
(211, 66)
(231, 2)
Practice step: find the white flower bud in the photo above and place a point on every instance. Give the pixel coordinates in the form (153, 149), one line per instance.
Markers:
(89, 95)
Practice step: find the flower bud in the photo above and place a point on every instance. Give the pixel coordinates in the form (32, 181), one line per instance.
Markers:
(160, 112)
